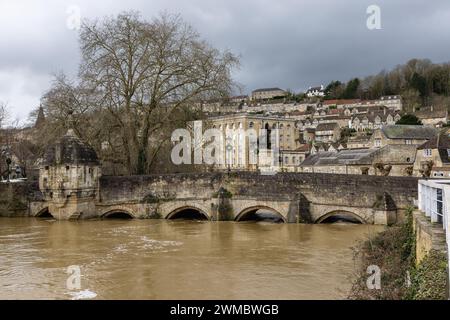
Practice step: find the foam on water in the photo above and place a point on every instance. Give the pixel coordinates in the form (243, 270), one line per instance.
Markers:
(82, 295)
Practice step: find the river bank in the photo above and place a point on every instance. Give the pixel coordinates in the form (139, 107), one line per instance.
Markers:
(412, 265)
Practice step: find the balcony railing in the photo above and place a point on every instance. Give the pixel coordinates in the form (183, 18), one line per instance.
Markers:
(434, 201)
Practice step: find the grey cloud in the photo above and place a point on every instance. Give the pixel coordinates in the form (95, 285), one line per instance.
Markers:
(289, 43)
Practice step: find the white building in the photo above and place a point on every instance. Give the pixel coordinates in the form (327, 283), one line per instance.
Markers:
(315, 92)
(392, 102)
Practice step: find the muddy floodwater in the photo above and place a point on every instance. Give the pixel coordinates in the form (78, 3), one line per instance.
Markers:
(164, 259)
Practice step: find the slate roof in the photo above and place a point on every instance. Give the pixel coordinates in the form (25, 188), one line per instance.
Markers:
(440, 142)
(341, 101)
(362, 156)
(267, 89)
(326, 126)
(70, 150)
(372, 115)
(408, 132)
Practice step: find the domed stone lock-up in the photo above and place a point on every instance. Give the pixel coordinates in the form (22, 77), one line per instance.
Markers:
(69, 178)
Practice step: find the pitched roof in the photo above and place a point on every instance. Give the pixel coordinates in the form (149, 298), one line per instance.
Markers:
(267, 89)
(408, 132)
(394, 154)
(326, 126)
(440, 141)
(341, 101)
(70, 150)
(303, 148)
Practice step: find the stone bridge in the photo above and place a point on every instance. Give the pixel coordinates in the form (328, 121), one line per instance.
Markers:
(294, 197)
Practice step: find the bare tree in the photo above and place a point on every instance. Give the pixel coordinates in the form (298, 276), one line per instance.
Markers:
(4, 114)
(143, 72)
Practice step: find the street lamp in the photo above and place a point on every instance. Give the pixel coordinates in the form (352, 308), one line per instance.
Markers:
(8, 164)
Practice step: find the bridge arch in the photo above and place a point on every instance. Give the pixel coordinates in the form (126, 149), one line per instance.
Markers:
(44, 213)
(188, 212)
(336, 214)
(117, 214)
(247, 213)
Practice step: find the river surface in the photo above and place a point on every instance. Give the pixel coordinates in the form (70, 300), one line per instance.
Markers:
(163, 259)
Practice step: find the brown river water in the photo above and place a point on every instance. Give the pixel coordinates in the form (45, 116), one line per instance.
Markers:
(164, 259)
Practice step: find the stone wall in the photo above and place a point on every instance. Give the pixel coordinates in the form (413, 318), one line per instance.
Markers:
(428, 236)
(15, 198)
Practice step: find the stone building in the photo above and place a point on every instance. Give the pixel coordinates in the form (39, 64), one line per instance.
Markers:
(291, 159)
(359, 142)
(432, 157)
(308, 135)
(401, 134)
(341, 103)
(432, 117)
(238, 99)
(373, 120)
(392, 102)
(268, 93)
(69, 176)
(393, 160)
(328, 132)
(288, 136)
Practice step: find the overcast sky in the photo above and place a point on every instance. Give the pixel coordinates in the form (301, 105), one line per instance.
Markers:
(291, 44)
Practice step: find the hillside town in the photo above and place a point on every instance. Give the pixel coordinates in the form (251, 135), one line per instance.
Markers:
(346, 136)
(341, 136)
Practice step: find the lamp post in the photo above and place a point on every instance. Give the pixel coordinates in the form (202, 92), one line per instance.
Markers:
(8, 164)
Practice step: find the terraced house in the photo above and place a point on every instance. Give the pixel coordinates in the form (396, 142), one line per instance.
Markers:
(432, 157)
(373, 120)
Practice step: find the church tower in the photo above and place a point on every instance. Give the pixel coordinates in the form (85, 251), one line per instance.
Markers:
(40, 120)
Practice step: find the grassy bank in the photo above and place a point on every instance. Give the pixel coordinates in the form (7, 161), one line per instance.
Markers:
(393, 251)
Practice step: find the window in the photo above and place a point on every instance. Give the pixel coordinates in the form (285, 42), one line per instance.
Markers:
(427, 152)
(286, 160)
(377, 142)
(250, 125)
(407, 141)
